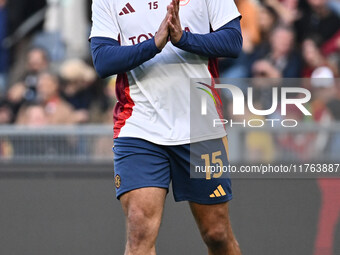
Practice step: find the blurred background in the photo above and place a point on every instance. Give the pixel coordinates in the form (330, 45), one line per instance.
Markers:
(56, 188)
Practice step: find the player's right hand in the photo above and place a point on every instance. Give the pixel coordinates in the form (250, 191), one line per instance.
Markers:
(162, 35)
(174, 22)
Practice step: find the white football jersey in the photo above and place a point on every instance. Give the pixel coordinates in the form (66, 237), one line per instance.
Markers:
(154, 98)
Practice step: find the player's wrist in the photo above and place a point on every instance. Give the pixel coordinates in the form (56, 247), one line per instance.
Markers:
(175, 39)
(182, 40)
(156, 45)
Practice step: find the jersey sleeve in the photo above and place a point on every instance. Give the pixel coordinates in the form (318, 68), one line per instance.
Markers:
(221, 12)
(104, 20)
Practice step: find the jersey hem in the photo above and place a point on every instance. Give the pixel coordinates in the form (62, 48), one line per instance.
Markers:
(179, 142)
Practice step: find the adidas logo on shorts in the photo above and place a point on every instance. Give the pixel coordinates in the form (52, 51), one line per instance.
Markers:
(219, 192)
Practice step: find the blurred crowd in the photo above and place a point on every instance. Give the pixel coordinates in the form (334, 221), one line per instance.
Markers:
(291, 39)
(287, 38)
(46, 73)
(47, 77)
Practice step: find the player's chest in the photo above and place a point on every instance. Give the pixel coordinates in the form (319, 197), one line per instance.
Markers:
(139, 20)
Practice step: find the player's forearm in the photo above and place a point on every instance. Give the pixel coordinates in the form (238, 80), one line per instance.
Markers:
(110, 58)
(224, 42)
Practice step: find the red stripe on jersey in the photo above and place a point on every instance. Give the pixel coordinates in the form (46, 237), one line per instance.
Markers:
(123, 109)
(119, 39)
(128, 5)
(213, 67)
(214, 73)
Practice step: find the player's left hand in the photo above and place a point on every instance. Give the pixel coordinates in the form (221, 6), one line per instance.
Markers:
(174, 22)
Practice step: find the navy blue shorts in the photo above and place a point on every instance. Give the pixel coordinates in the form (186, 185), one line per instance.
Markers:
(139, 163)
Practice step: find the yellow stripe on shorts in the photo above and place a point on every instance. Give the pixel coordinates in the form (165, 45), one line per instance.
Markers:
(226, 146)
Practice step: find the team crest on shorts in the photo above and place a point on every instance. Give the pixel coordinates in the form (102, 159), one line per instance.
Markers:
(117, 181)
(184, 2)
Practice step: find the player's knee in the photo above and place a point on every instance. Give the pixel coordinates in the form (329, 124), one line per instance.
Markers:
(216, 236)
(141, 229)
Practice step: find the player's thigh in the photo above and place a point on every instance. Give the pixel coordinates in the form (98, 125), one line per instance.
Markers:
(150, 199)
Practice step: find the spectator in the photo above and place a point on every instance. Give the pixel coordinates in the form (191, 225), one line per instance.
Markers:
(78, 80)
(286, 9)
(25, 90)
(34, 115)
(36, 62)
(313, 58)
(56, 109)
(78, 89)
(268, 20)
(278, 59)
(318, 21)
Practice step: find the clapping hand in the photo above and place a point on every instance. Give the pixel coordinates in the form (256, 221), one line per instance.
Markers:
(174, 22)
